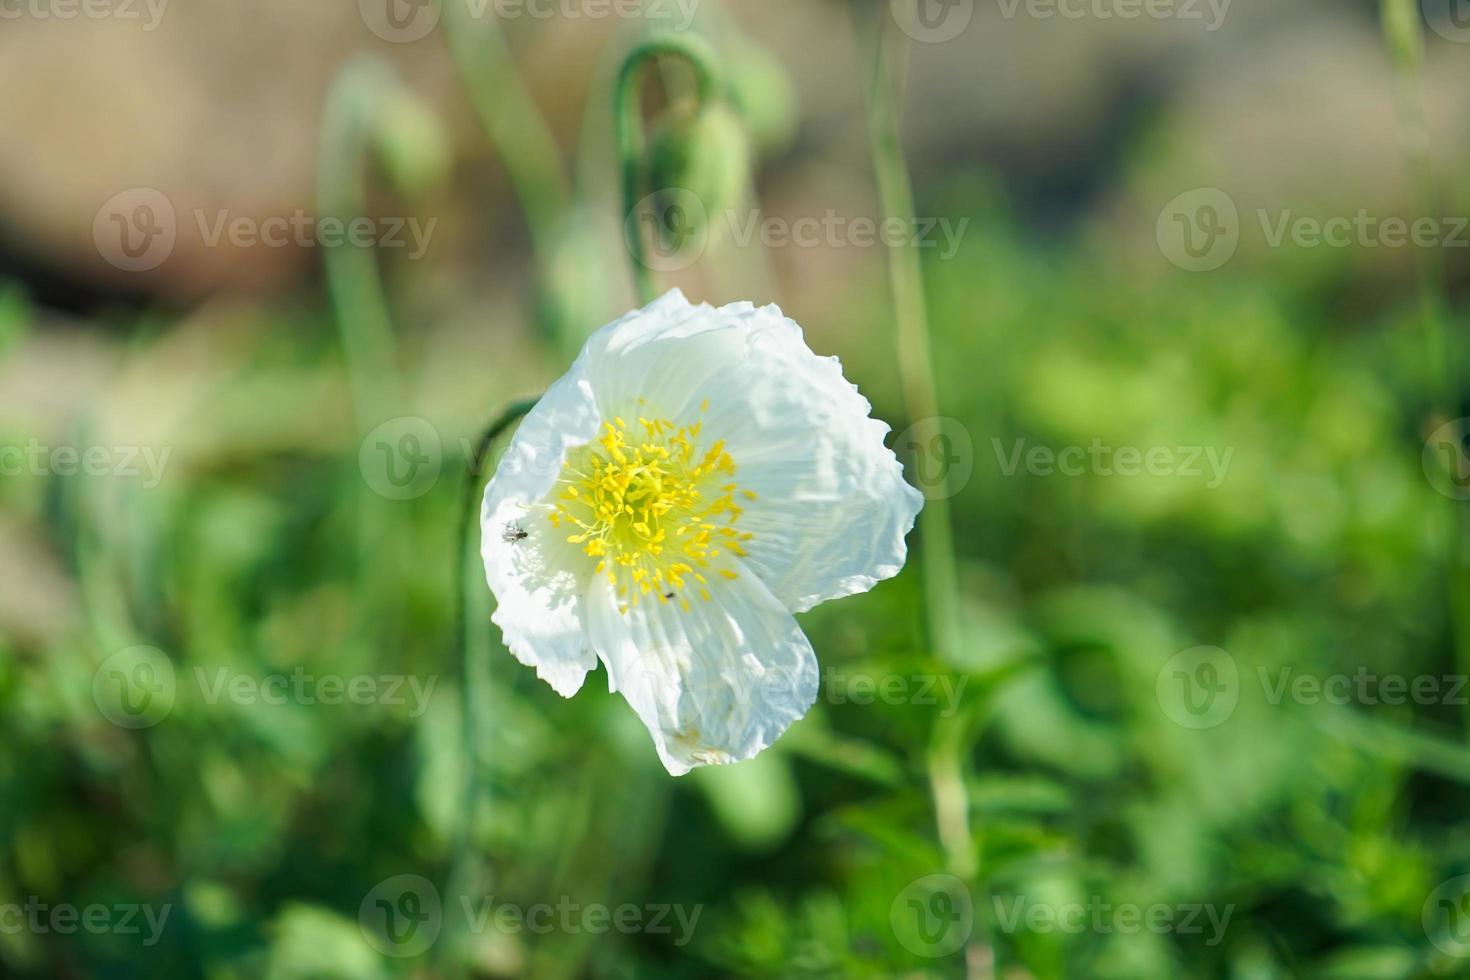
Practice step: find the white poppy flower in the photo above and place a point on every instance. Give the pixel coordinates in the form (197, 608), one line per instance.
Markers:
(697, 477)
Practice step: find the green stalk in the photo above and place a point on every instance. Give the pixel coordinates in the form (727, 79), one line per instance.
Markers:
(472, 680)
(628, 128)
(915, 362)
(1404, 37)
(521, 135)
(353, 279)
(949, 743)
(360, 302)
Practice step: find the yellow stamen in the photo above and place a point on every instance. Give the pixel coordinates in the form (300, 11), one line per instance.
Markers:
(625, 492)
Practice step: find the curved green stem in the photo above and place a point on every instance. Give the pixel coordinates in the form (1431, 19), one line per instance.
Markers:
(469, 676)
(520, 132)
(353, 277)
(628, 128)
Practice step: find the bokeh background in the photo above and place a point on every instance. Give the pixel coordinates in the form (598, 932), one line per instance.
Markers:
(1111, 727)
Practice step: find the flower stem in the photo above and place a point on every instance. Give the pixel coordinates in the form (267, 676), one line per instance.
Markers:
(915, 362)
(469, 677)
(628, 129)
(949, 746)
(1404, 38)
(353, 279)
(358, 297)
(521, 134)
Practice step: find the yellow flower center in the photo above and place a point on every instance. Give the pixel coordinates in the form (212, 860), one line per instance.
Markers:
(653, 507)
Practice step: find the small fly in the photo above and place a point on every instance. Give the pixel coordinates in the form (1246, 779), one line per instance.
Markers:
(514, 533)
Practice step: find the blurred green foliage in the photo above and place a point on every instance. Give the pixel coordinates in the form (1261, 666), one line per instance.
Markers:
(264, 829)
(264, 826)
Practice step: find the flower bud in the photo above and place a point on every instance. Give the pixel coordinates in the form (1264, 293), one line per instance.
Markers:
(707, 156)
(762, 91)
(411, 143)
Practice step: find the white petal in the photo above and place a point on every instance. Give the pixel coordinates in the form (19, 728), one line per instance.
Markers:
(539, 580)
(715, 684)
(832, 508)
(651, 362)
